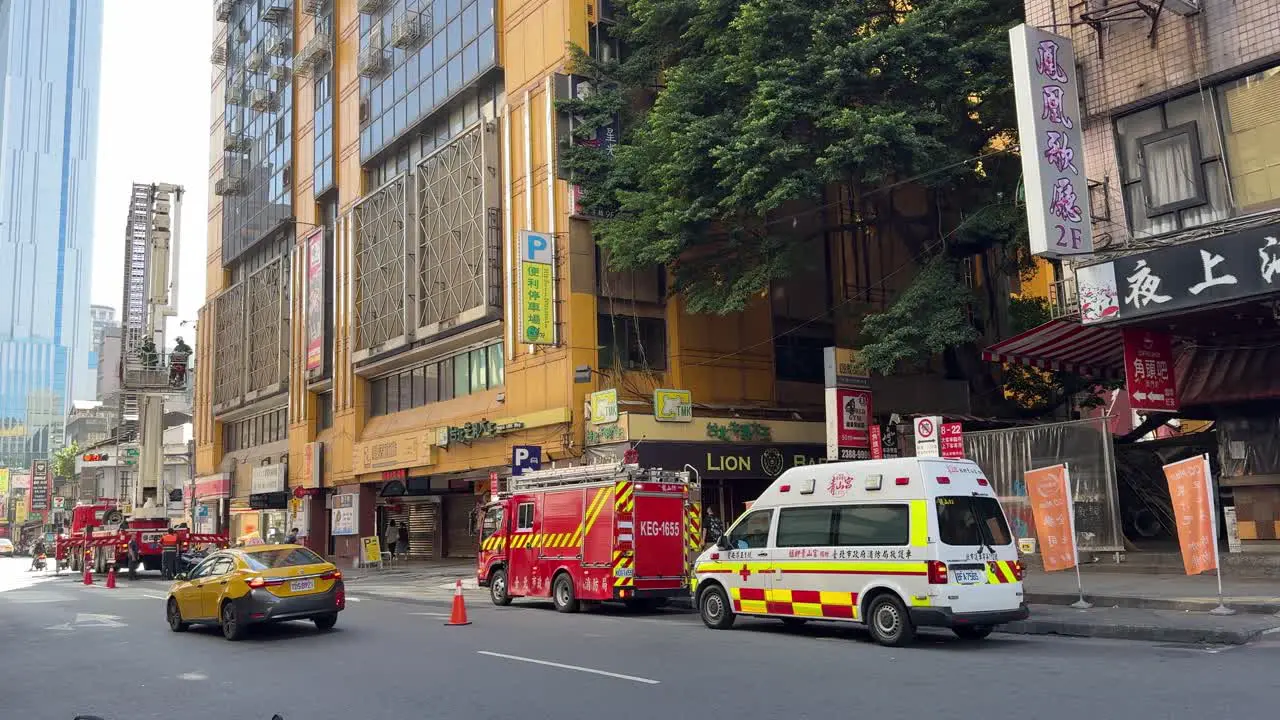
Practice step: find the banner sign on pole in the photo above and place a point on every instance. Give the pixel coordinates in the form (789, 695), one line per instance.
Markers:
(1051, 508)
(1148, 370)
(537, 288)
(1191, 492)
(848, 424)
(952, 441)
(314, 299)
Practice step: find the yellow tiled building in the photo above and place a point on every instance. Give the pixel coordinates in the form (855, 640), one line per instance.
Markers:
(373, 164)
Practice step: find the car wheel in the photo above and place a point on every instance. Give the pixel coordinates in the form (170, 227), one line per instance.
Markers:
(973, 632)
(888, 620)
(174, 614)
(562, 594)
(713, 606)
(232, 628)
(793, 622)
(498, 592)
(326, 622)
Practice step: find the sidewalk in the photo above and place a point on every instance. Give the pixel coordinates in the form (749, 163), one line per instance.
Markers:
(1167, 591)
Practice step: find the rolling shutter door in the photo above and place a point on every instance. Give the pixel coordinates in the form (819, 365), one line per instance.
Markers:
(458, 540)
(423, 524)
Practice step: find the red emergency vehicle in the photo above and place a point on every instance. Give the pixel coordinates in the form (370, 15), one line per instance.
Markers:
(96, 533)
(591, 533)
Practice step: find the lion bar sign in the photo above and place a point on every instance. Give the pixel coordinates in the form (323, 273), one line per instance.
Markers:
(1047, 92)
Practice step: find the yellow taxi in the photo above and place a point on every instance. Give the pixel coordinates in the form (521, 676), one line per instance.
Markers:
(237, 588)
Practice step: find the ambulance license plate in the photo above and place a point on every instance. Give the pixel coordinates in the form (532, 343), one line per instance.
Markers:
(969, 577)
(302, 585)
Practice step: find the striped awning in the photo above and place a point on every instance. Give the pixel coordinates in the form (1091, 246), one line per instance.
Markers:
(1064, 345)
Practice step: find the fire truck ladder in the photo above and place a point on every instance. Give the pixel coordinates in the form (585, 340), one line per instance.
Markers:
(557, 477)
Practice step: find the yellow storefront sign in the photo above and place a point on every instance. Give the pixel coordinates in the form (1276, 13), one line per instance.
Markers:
(537, 288)
(19, 512)
(602, 406)
(394, 452)
(672, 405)
(705, 429)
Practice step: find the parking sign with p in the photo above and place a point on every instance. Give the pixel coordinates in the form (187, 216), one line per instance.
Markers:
(525, 458)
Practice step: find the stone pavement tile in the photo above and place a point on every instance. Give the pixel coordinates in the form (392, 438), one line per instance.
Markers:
(1153, 592)
(1171, 626)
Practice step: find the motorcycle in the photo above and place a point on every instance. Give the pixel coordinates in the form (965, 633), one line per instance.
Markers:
(40, 564)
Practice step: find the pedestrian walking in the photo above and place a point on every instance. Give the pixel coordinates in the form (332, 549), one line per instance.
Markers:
(392, 536)
(403, 539)
(134, 553)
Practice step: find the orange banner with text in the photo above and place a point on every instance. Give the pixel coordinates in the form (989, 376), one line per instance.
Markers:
(1050, 498)
(1191, 490)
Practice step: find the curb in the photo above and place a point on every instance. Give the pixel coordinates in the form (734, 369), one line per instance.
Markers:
(1148, 633)
(1140, 603)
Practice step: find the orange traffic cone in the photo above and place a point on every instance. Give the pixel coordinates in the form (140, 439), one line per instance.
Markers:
(88, 574)
(111, 577)
(459, 614)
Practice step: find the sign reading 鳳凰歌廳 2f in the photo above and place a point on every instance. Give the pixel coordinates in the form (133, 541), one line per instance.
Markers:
(1047, 93)
(1211, 271)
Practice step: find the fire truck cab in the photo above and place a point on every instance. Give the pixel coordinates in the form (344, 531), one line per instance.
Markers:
(609, 532)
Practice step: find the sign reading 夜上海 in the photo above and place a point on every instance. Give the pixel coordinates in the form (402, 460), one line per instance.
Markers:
(1211, 271)
(1148, 370)
(1046, 90)
(537, 288)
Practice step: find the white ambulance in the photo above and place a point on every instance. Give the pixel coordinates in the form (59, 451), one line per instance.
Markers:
(894, 544)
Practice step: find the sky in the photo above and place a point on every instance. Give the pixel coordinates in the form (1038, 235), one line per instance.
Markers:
(154, 127)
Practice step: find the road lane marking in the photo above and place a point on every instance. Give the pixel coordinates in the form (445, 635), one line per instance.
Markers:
(431, 614)
(154, 597)
(562, 666)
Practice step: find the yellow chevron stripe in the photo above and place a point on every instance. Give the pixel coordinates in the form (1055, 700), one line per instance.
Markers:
(592, 511)
(625, 492)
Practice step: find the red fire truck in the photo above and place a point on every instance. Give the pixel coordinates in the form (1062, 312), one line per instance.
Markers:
(589, 534)
(100, 533)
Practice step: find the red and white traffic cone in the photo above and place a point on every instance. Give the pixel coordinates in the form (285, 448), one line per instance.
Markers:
(111, 578)
(459, 614)
(88, 574)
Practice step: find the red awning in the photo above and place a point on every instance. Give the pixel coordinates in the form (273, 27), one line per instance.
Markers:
(1208, 375)
(1064, 345)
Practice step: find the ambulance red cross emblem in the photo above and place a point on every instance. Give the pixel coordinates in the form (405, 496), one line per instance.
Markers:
(745, 573)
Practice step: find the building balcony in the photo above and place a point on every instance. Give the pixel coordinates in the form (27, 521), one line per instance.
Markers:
(311, 7)
(229, 185)
(312, 53)
(255, 62)
(262, 99)
(369, 7)
(276, 12)
(222, 10)
(235, 141)
(372, 62)
(219, 54)
(407, 31)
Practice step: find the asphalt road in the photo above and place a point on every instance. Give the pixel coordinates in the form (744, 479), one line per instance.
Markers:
(67, 649)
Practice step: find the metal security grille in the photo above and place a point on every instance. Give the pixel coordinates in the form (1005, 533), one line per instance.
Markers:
(228, 353)
(458, 509)
(268, 314)
(423, 524)
(458, 249)
(380, 226)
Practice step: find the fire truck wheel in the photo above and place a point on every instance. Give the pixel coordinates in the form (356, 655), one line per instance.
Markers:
(713, 606)
(888, 620)
(562, 594)
(175, 617)
(498, 588)
(232, 628)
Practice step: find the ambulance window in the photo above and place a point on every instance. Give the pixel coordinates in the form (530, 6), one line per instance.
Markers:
(524, 517)
(968, 520)
(873, 525)
(492, 521)
(804, 527)
(752, 531)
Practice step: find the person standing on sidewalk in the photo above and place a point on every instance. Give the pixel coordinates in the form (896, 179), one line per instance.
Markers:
(392, 535)
(403, 539)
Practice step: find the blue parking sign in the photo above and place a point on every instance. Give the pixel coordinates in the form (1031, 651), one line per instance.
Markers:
(525, 458)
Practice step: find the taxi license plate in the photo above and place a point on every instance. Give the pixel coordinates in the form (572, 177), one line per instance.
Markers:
(969, 577)
(302, 585)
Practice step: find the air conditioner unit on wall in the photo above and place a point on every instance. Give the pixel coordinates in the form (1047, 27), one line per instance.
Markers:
(1184, 7)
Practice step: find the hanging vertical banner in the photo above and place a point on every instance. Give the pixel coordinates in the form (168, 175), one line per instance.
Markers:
(315, 300)
(951, 441)
(848, 424)
(1049, 492)
(1047, 93)
(4, 496)
(1191, 493)
(537, 288)
(877, 442)
(39, 485)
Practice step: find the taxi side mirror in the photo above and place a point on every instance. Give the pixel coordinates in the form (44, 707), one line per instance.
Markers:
(180, 576)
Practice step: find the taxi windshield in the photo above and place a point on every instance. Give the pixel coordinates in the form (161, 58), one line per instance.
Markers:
(281, 557)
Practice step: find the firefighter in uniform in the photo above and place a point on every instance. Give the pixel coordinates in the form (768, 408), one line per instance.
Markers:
(169, 555)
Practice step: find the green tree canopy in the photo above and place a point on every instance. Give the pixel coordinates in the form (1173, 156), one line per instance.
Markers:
(63, 464)
(737, 114)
